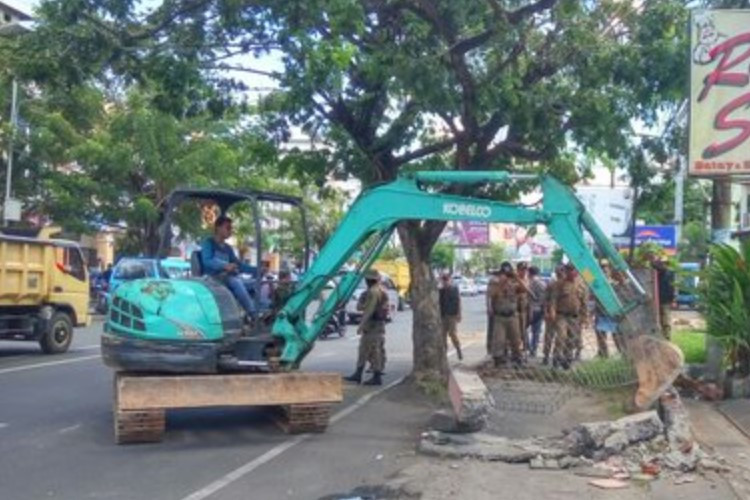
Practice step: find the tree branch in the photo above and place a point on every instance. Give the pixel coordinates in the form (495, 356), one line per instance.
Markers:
(424, 151)
(527, 11)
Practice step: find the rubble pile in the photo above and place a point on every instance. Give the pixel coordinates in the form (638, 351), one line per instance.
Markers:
(639, 447)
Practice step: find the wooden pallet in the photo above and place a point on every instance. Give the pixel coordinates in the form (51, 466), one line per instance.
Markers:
(298, 419)
(303, 401)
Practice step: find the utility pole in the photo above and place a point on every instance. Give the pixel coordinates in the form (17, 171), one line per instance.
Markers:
(9, 173)
(721, 210)
(679, 199)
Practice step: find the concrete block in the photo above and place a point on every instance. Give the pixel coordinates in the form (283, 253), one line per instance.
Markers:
(470, 398)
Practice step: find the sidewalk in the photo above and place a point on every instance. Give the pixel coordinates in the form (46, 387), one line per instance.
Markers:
(443, 479)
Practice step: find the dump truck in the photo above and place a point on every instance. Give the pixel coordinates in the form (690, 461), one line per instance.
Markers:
(193, 327)
(44, 288)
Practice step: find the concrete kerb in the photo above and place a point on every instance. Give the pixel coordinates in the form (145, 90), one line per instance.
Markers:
(470, 399)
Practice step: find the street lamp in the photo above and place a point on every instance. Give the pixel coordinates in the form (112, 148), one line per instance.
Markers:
(11, 207)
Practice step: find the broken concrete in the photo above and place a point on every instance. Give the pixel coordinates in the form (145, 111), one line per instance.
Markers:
(470, 399)
(600, 440)
(489, 447)
(446, 421)
(684, 453)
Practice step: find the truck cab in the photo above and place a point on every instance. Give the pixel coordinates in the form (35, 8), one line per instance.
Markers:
(44, 288)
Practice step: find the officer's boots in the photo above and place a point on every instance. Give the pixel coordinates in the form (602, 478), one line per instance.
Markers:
(377, 379)
(355, 377)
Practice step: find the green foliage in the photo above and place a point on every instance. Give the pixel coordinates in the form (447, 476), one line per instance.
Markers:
(442, 256)
(392, 252)
(487, 258)
(695, 241)
(725, 295)
(692, 344)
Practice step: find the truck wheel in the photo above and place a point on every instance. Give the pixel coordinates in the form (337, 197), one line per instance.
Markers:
(59, 334)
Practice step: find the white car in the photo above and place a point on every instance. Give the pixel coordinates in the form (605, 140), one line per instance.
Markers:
(467, 286)
(482, 284)
(394, 299)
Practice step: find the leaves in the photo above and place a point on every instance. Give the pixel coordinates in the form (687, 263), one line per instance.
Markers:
(726, 296)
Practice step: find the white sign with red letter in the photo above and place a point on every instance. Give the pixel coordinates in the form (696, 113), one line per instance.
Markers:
(720, 93)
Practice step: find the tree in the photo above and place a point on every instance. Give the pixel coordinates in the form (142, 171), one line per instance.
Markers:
(399, 85)
(488, 258)
(443, 256)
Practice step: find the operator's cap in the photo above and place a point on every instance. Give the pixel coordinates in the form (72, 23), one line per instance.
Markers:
(372, 274)
(522, 265)
(604, 262)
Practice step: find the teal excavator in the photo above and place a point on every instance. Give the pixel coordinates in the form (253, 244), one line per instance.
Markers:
(194, 325)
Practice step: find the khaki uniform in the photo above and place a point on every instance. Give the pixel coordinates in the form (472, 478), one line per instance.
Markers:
(506, 335)
(568, 302)
(549, 325)
(491, 289)
(523, 314)
(372, 339)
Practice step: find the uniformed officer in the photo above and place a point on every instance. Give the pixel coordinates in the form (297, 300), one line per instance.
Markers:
(523, 303)
(371, 330)
(283, 290)
(549, 324)
(503, 300)
(568, 309)
(491, 286)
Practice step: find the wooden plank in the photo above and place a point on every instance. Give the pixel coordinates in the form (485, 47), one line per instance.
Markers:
(139, 426)
(143, 392)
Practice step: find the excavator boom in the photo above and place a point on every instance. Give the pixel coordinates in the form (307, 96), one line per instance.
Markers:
(375, 213)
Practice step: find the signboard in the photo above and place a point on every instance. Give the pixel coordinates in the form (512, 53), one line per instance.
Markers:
(611, 207)
(468, 233)
(719, 93)
(665, 236)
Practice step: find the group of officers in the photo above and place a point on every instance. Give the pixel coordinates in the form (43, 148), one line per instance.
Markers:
(519, 302)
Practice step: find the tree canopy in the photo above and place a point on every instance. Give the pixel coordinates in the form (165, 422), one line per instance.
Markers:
(389, 85)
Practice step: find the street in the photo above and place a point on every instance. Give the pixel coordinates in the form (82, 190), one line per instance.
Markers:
(57, 438)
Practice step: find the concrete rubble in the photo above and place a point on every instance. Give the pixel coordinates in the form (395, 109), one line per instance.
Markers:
(639, 447)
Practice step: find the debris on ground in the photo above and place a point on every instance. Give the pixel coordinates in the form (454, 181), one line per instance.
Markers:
(640, 448)
(609, 484)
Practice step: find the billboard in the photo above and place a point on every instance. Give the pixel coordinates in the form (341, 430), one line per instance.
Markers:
(467, 233)
(719, 93)
(664, 236)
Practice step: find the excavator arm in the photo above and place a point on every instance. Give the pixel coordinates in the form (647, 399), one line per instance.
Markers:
(372, 219)
(375, 213)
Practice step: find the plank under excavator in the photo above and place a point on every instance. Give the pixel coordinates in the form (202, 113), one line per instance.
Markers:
(144, 392)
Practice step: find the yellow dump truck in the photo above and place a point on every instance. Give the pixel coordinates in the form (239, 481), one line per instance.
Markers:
(44, 289)
(398, 270)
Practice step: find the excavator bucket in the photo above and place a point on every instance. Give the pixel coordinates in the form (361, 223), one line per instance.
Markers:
(657, 362)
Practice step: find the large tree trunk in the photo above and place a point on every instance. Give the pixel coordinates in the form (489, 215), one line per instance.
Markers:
(430, 361)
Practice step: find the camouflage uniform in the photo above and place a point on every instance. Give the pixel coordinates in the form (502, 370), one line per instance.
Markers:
(503, 300)
(280, 295)
(372, 340)
(568, 301)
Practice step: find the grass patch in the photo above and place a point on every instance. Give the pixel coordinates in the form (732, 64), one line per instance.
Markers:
(692, 343)
(601, 373)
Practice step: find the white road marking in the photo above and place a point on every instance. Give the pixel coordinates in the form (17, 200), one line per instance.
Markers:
(87, 347)
(48, 363)
(69, 429)
(277, 450)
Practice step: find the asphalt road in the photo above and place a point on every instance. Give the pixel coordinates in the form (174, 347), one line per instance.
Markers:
(56, 437)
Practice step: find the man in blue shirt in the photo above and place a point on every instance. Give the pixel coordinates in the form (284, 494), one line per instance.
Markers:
(219, 260)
